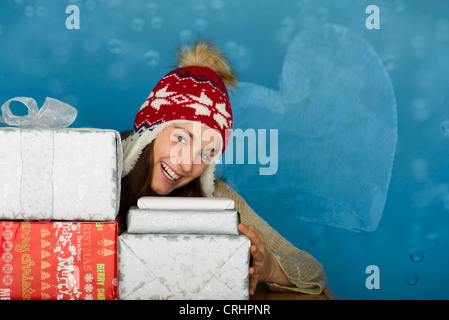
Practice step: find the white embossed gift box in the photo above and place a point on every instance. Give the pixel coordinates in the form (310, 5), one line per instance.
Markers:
(191, 221)
(59, 174)
(186, 203)
(183, 266)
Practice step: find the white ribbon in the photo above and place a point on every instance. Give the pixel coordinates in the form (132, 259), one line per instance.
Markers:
(53, 114)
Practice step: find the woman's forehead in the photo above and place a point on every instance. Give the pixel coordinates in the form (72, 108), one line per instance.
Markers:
(197, 131)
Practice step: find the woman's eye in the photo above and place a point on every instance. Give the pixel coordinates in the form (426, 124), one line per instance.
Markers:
(207, 157)
(180, 139)
(204, 156)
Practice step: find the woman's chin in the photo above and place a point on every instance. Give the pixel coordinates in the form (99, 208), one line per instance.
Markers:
(161, 191)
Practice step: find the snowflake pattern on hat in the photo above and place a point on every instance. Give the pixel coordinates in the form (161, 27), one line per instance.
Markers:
(191, 93)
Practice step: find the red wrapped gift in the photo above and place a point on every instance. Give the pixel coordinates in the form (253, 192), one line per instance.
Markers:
(58, 260)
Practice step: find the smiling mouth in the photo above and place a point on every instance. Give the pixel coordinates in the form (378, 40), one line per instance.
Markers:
(169, 172)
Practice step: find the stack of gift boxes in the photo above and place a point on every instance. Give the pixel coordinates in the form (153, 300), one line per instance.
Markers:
(183, 248)
(59, 232)
(59, 199)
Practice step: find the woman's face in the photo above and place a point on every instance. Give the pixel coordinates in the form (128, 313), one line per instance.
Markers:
(181, 153)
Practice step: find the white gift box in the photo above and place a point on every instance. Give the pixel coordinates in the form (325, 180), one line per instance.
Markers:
(185, 203)
(183, 266)
(200, 221)
(59, 174)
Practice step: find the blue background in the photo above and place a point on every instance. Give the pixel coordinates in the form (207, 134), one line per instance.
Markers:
(107, 68)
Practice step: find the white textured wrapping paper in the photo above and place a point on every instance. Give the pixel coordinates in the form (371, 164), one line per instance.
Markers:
(61, 174)
(185, 203)
(198, 221)
(195, 267)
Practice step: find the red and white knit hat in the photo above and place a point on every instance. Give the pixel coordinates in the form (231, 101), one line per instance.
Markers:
(188, 94)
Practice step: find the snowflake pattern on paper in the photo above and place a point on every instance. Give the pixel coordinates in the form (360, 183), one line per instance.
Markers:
(68, 274)
(88, 287)
(88, 277)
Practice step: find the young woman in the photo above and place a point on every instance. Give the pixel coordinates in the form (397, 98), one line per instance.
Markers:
(179, 133)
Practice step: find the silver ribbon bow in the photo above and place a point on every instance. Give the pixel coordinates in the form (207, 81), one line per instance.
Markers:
(53, 114)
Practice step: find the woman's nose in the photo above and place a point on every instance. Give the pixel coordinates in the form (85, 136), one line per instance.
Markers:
(186, 160)
(186, 166)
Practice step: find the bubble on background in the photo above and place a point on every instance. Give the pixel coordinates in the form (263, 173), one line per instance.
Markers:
(116, 46)
(185, 36)
(41, 11)
(201, 25)
(419, 169)
(433, 239)
(420, 109)
(137, 24)
(411, 279)
(390, 61)
(151, 8)
(151, 58)
(445, 127)
(416, 255)
(238, 54)
(29, 11)
(157, 23)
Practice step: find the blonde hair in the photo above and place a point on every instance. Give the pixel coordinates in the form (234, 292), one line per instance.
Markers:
(204, 54)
